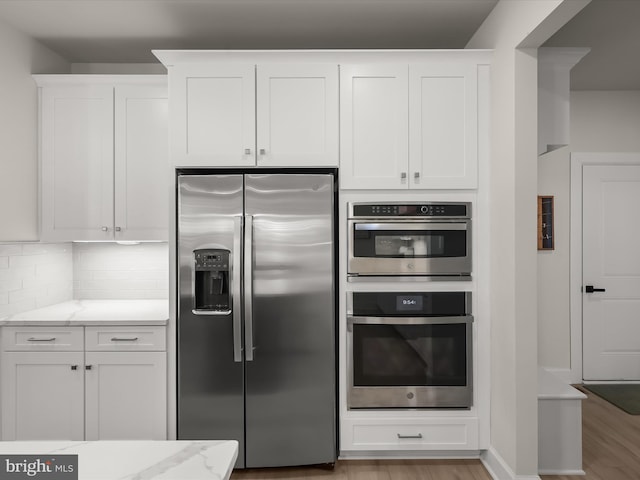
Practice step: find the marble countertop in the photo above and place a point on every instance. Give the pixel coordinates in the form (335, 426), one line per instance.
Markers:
(138, 460)
(94, 312)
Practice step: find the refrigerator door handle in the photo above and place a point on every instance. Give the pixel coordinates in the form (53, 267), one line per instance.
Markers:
(236, 284)
(248, 287)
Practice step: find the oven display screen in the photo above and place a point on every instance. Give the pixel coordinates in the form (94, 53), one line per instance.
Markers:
(409, 303)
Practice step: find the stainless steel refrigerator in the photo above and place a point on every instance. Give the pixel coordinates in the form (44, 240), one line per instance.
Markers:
(256, 313)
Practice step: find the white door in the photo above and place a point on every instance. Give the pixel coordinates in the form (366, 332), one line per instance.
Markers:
(611, 266)
(213, 117)
(374, 126)
(443, 125)
(141, 163)
(77, 162)
(297, 115)
(43, 396)
(126, 396)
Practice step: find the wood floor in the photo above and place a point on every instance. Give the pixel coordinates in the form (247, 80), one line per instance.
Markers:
(376, 470)
(610, 442)
(610, 445)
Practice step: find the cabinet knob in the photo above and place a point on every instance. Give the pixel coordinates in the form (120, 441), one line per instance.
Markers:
(416, 177)
(118, 229)
(88, 367)
(105, 229)
(403, 176)
(247, 151)
(74, 367)
(263, 151)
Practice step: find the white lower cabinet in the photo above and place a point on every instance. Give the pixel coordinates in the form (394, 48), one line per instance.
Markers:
(91, 391)
(125, 395)
(42, 396)
(408, 434)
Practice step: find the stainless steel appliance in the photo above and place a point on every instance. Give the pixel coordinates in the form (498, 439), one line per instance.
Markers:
(410, 239)
(409, 350)
(256, 313)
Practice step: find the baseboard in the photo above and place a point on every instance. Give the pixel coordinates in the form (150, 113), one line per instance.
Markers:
(561, 472)
(408, 454)
(498, 468)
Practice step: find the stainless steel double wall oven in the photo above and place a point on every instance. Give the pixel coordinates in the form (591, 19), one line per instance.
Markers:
(410, 348)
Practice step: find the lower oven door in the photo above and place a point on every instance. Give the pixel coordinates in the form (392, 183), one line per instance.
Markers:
(416, 362)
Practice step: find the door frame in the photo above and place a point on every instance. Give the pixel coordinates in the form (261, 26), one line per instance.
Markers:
(578, 161)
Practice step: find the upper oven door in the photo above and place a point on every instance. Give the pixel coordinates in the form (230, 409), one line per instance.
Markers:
(421, 247)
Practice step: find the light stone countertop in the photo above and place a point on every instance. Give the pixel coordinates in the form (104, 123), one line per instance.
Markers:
(137, 459)
(550, 387)
(94, 312)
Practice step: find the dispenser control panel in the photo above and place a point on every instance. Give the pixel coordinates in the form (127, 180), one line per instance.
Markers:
(211, 259)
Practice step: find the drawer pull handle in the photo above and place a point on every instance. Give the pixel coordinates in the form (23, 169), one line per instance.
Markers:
(33, 339)
(419, 435)
(122, 339)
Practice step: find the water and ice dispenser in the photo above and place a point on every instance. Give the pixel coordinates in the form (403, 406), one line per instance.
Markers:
(211, 282)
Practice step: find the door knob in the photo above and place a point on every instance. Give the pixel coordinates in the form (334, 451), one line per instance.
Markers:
(590, 289)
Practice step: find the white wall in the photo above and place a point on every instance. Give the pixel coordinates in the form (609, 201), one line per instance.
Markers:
(113, 271)
(34, 275)
(604, 121)
(554, 333)
(601, 121)
(20, 57)
(514, 30)
(119, 68)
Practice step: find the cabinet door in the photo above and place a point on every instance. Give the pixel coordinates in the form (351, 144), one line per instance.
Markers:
(126, 396)
(374, 126)
(212, 115)
(443, 135)
(42, 396)
(141, 163)
(297, 115)
(77, 162)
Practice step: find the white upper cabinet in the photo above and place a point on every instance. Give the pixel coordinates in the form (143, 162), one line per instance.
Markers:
(409, 126)
(297, 115)
(443, 126)
(212, 115)
(141, 163)
(374, 126)
(103, 158)
(76, 128)
(243, 115)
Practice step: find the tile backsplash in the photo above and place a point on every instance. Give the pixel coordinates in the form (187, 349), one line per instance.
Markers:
(34, 275)
(114, 271)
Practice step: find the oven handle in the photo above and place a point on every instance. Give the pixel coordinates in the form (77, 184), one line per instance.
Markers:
(351, 320)
(423, 225)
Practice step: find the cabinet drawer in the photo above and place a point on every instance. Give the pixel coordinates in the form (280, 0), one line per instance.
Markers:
(70, 339)
(436, 434)
(140, 338)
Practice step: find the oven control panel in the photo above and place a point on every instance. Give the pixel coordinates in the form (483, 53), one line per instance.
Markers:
(455, 210)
